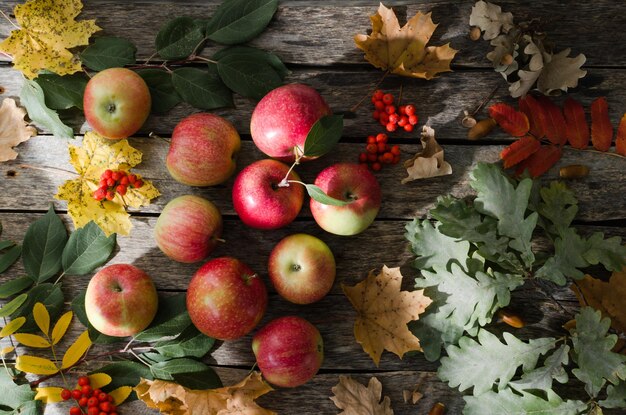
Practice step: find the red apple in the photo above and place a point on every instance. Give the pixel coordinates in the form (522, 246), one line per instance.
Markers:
(116, 103)
(283, 118)
(260, 202)
(348, 182)
(302, 268)
(289, 351)
(226, 299)
(188, 228)
(121, 300)
(203, 150)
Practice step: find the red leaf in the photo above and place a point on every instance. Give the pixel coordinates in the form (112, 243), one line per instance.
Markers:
(540, 161)
(556, 129)
(577, 127)
(529, 106)
(519, 150)
(620, 141)
(601, 128)
(510, 120)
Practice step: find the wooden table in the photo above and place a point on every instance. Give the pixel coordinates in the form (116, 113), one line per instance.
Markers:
(314, 38)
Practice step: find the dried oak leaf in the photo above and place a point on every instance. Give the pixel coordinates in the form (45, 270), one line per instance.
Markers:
(95, 156)
(383, 311)
(560, 72)
(356, 399)
(48, 30)
(490, 19)
(403, 50)
(429, 162)
(13, 129)
(174, 399)
(608, 297)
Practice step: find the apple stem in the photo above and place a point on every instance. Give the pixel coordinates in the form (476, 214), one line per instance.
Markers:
(220, 240)
(298, 154)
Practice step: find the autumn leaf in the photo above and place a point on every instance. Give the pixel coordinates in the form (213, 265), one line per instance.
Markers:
(383, 311)
(607, 297)
(511, 121)
(601, 127)
(356, 399)
(13, 129)
(556, 128)
(540, 161)
(620, 140)
(403, 51)
(172, 398)
(560, 72)
(429, 162)
(50, 394)
(95, 156)
(519, 151)
(577, 127)
(536, 118)
(490, 19)
(48, 30)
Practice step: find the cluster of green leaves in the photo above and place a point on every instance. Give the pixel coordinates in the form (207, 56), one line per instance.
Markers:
(472, 256)
(17, 396)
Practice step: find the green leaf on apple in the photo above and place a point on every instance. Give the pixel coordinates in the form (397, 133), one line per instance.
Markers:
(109, 52)
(323, 135)
(171, 319)
(238, 21)
(162, 91)
(15, 286)
(33, 99)
(43, 247)
(12, 306)
(11, 254)
(318, 194)
(202, 88)
(63, 92)
(189, 373)
(50, 295)
(190, 343)
(179, 38)
(87, 248)
(78, 306)
(250, 72)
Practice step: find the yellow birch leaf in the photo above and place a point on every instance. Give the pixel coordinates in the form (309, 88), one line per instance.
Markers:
(120, 394)
(32, 340)
(35, 365)
(13, 129)
(42, 317)
(76, 350)
(50, 394)
(61, 326)
(383, 311)
(13, 326)
(48, 30)
(98, 380)
(5, 351)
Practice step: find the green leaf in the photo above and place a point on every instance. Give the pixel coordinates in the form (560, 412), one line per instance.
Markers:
(87, 248)
(124, 373)
(609, 252)
(9, 257)
(12, 306)
(178, 38)
(78, 306)
(190, 343)
(323, 135)
(559, 206)
(269, 58)
(171, 319)
(509, 403)
(63, 92)
(43, 246)
(15, 397)
(201, 380)
(15, 286)
(318, 194)
(50, 296)
(251, 76)
(164, 96)
(109, 52)
(201, 88)
(615, 396)
(569, 250)
(541, 378)
(238, 21)
(592, 352)
(187, 372)
(481, 364)
(432, 248)
(32, 98)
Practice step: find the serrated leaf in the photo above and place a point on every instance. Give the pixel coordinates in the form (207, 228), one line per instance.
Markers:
(490, 19)
(238, 21)
(18, 397)
(43, 246)
(109, 52)
(33, 99)
(13, 326)
(316, 193)
(190, 343)
(519, 151)
(12, 306)
(249, 75)
(509, 403)
(560, 72)
(201, 88)
(615, 396)
(432, 248)
(78, 306)
(35, 365)
(511, 121)
(162, 91)
(323, 135)
(540, 161)
(120, 394)
(601, 127)
(559, 206)
(87, 248)
(178, 38)
(42, 317)
(536, 117)
(49, 394)
(568, 257)
(32, 340)
(63, 92)
(171, 319)
(609, 252)
(555, 126)
(76, 350)
(354, 398)
(61, 326)
(52, 298)
(99, 380)
(577, 126)
(14, 286)
(541, 378)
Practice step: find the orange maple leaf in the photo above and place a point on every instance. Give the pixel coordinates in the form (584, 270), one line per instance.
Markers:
(383, 313)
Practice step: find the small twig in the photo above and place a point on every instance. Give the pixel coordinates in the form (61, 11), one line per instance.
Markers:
(590, 150)
(380, 81)
(47, 168)
(485, 100)
(9, 20)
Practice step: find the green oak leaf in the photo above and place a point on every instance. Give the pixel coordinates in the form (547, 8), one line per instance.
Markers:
(433, 248)
(609, 252)
(615, 396)
(19, 399)
(541, 378)
(510, 403)
(559, 206)
(569, 250)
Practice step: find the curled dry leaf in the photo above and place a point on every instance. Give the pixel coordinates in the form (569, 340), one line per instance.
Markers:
(13, 129)
(172, 398)
(403, 50)
(383, 311)
(429, 162)
(355, 399)
(608, 297)
(490, 19)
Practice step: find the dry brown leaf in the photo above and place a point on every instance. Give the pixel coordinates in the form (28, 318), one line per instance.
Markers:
(383, 313)
(412, 396)
(173, 399)
(403, 51)
(429, 162)
(356, 399)
(560, 72)
(490, 18)
(13, 129)
(608, 297)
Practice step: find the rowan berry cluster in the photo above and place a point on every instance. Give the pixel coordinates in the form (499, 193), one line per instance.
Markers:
(90, 401)
(115, 181)
(378, 152)
(390, 116)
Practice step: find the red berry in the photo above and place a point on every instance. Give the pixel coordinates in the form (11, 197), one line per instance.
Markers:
(94, 410)
(103, 183)
(372, 148)
(104, 413)
(402, 109)
(110, 182)
(86, 390)
(394, 118)
(124, 180)
(116, 175)
(387, 158)
(83, 401)
(97, 392)
(112, 413)
(376, 166)
(408, 128)
(380, 147)
(66, 394)
(105, 406)
(110, 195)
(121, 189)
(75, 410)
(132, 178)
(372, 157)
(404, 120)
(395, 150)
(413, 119)
(388, 99)
(381, 138)
(384, 118)
(391, 127)
(363, 157)
(103, 397)
(409, 109)
(390, 109)
(107, 174)
(371, 139)
(111, 399)
(379, 105)
(376, 115)
(396, 159)
(138, 184)
(77, 394)
(378, 94)
(93, 401)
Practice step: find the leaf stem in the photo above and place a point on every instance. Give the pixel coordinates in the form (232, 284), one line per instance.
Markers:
(59, 279)
(9, 20)
(590, 150)
(380, 81)
(203, 59)
(47, 168)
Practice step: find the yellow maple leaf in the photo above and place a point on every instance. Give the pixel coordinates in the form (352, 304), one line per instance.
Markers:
(47, 30)
(174, 399)
(96, 155)
(13, 129)
(403, 50)
(608, 297)
(383, 313)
